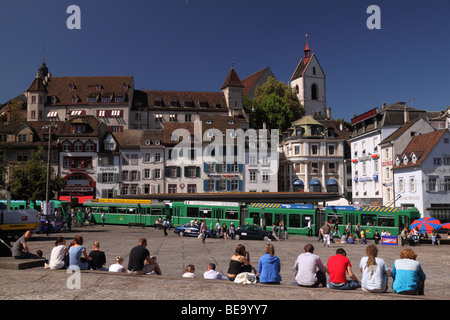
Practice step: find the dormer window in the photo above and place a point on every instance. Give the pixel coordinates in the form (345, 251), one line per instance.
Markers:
(208, 121)
(231, 121)
(78, 128)
(126, 86)
(413, 158)
(53, 100)
(120, 99)
(74, 99)
(71, 87)
(106, 99)
(405, 160)
(98, 87)
(397, 161)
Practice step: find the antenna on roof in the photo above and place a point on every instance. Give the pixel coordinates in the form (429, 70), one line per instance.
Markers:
(43, 53)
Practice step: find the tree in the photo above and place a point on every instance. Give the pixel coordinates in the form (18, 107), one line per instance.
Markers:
(275, 104)
(29, 180)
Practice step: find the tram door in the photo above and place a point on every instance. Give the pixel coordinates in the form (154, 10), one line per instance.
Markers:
(350, 218)
(320, 220)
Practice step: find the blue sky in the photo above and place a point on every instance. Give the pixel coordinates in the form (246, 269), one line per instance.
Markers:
(190, 45)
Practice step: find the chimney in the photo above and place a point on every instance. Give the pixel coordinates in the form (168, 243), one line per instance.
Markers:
(8, 113)
(405, 114)
(383, 104)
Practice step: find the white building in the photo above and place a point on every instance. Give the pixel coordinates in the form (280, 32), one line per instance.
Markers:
(370, 129)
(422, 175)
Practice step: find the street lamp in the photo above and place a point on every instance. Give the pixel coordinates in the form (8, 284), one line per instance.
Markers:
(49, 127)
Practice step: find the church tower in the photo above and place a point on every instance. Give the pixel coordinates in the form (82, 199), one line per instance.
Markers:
(233, 90)
(37, 95)
(309, 82)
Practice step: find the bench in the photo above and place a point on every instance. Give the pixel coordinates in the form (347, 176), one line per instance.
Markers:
(20, 264)
(438, 241)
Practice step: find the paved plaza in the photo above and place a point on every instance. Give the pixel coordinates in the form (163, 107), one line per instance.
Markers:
(174, 253)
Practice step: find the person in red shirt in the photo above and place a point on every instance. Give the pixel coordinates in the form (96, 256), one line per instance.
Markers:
(338, 266)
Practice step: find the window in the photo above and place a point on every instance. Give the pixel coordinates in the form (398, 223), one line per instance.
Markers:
(159, 118)
(447, 184)
(90, 146)
(192, 188)
(172, 188)
(314, 92)
(67, 146)
(33, 114)
(120, 99)
(78, 146)
(331, 149)
(157, 157)
(433, 184)
(147, 174)
(173, 172)
(22, 138)
(297, 150)
(157, 173)
(33, 99)
(173, 117)
(265, 177)
(412, 184)
(314, 149)
(315, 167)
(447, 161)
(401, 185)
(234, 184)
(332, 167)
(437, 161)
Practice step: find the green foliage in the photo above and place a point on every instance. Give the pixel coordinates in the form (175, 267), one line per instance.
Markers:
(30, 178)
(275, 104)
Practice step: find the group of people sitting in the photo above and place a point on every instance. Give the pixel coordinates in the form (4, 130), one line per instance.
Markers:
(407, 273)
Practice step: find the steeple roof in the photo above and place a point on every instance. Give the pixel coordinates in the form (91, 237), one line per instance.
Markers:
(232, 80)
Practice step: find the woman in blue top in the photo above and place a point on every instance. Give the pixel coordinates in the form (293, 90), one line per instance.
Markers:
(408, 275)
(75, 251)
(269, 266)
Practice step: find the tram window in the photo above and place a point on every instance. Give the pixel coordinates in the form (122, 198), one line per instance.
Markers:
(131, 211)
(386, 221)
(294, 221)
(122, 210)
(332, 218)
(268, 217)
(231, 214)
(156, 211)
(306, 219)
(205, 213)
(255, 217)
(192, 212)
(368, 220)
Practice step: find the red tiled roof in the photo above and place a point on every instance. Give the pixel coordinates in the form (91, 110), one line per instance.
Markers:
(232, 80)
(421, 146)
(251, 81)
(84, 87)
(186, 99)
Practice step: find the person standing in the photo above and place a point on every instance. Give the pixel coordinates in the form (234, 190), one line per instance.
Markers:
(326, 234)
(309, 228)
(103, 219)
(138, 255)
(203, 230)
(338, 267)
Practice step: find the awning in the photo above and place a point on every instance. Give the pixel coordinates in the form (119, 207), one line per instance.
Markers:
(314, 182)
(52, 114)
(81, 199)
(298, 182)
(332, 182)
(77, 112)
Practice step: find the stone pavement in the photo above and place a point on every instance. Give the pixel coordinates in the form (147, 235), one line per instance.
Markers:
(174, 253)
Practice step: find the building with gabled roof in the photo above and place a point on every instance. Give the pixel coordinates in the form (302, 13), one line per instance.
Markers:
(309, 82)
(258, 79)
(422, 175)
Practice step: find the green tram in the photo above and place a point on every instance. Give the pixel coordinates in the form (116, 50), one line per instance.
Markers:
(125, 211)
(371, 219)
(294, 217)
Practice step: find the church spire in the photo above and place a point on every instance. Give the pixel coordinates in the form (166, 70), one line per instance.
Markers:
(307, 51)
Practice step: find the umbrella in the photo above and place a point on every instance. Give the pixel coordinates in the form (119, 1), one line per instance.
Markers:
(426, 224)
(446, 225)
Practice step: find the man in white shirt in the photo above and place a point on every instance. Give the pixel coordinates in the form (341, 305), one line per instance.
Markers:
(306, 266)
(211, 273)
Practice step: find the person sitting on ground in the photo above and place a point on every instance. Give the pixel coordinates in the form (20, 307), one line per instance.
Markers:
(408, 275)
(240, 262)
(344, 238)
(75, 251)
(98, 257)
(189, 271)
(375, 272)
(351, 240)
(20, 248)
(269, 266)
(211, 273)
(138, 255)
(310, 270)
(377, 237)
(338, 267)
(39, 254)
(118, 266)
(58, 257)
